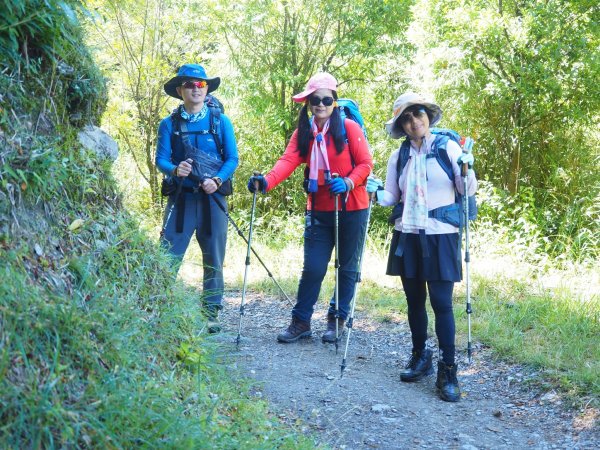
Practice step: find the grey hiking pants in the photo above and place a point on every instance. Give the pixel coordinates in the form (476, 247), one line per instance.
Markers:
(202, 217)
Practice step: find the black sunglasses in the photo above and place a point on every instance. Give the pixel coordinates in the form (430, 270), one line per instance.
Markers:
(415, 111)
(316, 101)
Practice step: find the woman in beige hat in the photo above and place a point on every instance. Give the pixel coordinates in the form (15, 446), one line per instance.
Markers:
(425, 247)
(319, 144)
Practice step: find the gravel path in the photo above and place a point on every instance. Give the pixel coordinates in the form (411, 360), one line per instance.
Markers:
(370, 408)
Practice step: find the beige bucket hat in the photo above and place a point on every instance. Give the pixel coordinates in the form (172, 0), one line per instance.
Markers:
(407, 100)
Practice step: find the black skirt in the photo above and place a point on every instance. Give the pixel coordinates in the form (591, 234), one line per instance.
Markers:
(442, 264)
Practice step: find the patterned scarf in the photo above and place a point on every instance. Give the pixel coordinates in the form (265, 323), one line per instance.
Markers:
(191, 118)
(415, 214)
(319, 163)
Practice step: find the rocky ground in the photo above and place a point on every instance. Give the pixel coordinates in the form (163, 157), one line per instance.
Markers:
(369, 407)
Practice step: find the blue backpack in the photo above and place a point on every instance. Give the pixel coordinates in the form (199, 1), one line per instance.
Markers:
(452, 214)
(349, 110)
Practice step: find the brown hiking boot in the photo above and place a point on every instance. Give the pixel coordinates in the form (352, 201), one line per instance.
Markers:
(297, 329)
(329, 335)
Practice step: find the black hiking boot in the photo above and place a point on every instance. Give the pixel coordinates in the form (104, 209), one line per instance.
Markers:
(211, 312)
(447, 383)
(419, 366)
(329, 335)
(297, 329)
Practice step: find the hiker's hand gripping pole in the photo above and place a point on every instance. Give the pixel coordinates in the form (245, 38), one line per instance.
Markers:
(242, 305)
(467, 148)
(350, 321)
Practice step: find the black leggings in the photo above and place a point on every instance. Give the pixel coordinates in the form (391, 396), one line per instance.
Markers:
(440, 295)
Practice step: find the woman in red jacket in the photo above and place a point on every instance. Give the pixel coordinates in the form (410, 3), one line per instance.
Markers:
(321, 143)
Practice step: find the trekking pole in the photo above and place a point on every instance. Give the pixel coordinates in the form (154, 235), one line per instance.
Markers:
(168, 217)
(350, 321)
(337, 266)
(237, 340)
(239, 232)
(465, 172)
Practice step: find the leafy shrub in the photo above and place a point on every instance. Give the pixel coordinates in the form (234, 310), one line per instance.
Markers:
(44, 62)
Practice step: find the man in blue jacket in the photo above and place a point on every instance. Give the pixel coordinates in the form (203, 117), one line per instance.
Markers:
(195, 136)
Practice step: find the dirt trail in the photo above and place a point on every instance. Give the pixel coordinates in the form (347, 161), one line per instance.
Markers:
(370, 408)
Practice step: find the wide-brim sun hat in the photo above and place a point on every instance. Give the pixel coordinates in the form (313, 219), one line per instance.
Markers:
(190, 72)
(321, 80)
(405, 101)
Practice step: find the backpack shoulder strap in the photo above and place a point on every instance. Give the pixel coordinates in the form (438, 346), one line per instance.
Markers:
(343, 116)
(176, 122)
(439, 152)
(215, 126)
(403, 157)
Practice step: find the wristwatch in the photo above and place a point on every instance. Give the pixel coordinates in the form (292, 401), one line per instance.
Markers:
(218, 181)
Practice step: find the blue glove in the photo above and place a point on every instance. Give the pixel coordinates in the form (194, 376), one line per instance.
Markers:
(338, 186)
(466, 158)
(257, 179)
(374, 184)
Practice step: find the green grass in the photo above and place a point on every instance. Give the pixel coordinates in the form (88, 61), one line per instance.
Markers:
(552, 331)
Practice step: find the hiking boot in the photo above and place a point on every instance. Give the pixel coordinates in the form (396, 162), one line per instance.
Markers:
(297, 329)
(329, 335)
(419, 366)
(447, 383)
(211, 312)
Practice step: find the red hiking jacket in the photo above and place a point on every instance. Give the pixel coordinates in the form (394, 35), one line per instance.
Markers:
(356, 151)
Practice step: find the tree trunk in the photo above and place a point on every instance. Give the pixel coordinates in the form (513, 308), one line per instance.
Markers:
(515, 154)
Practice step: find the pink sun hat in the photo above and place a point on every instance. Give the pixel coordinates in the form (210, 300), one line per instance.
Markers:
(322, 80)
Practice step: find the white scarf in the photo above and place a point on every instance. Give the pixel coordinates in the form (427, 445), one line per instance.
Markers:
(415, 214)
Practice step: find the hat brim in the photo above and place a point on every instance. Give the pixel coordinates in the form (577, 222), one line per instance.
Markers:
(396, 131)
(172, 85)
(302, 96)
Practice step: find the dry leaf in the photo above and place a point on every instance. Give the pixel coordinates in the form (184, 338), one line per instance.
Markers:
(76, 224)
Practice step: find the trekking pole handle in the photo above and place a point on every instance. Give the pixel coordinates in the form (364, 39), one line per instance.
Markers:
(467, 148)
(256, 173)
(335, 175)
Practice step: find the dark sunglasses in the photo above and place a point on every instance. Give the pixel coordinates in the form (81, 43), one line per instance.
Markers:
(192, 84)
(411, 113)
(316, 101)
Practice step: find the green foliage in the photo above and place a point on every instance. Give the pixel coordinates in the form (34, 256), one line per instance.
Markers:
(276, 47)
(521, 78)
(141, 49)
(566, 234)
(43, 61)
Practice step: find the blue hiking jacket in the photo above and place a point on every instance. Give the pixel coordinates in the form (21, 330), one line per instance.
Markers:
(167, 158)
